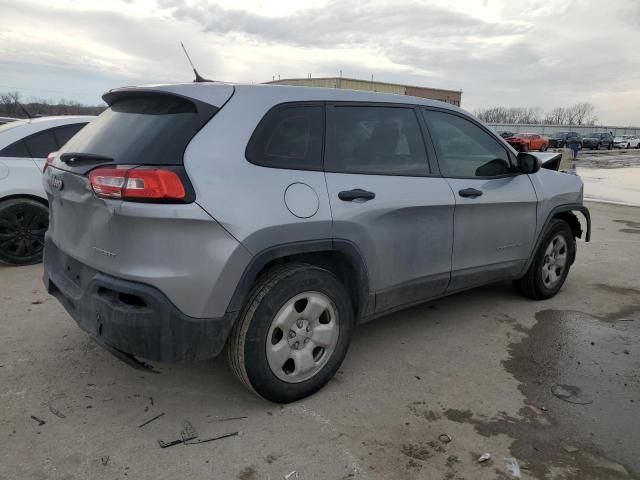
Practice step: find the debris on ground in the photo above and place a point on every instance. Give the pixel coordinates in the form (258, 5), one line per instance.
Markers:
(151, 420)
(39, 420)
(104, 460)
(512, 466)
(571, 394)
(37, 302)
(197, 441)
(189, 436)
(570, 449)
(544, 409)
(291, 476)
(444, 438)
(225, 419)
(56, 412)
(484, 457)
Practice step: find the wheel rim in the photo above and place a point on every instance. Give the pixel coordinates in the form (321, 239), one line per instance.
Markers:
(302, 337)
(22, 230)
(555, 261)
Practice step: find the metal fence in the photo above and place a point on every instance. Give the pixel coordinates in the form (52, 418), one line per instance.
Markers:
(549, 129)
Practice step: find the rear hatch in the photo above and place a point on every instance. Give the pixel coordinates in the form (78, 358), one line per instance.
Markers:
(124, 173)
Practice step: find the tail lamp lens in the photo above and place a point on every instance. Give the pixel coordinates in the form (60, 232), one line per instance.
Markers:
(50, 158)
(132, 183)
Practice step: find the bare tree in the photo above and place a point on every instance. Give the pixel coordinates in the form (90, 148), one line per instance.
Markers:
(10, 107)
(578, 114)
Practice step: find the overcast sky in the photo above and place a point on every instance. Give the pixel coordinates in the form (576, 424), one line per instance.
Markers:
(499, 52)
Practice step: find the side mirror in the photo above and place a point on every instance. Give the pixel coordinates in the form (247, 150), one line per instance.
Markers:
(528, 163)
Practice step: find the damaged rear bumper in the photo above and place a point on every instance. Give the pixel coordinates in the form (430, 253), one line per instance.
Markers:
(130, 319)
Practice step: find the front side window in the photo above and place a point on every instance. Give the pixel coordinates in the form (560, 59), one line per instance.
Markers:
(289, 137)
(375, 140)
(464, 149)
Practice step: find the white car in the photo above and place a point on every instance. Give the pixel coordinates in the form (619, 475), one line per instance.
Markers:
(626, 141)
(24, 212)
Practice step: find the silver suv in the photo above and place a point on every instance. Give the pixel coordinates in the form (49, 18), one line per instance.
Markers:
(272, 219)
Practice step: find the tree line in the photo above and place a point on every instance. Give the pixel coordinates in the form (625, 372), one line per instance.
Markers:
(578, 114)
(11, 105)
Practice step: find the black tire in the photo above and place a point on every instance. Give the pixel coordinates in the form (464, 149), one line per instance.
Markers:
(544, 147)
(23, 223)
(524, 147)
(598, 147)
(246, 348)
(532, 284)
(609, 146)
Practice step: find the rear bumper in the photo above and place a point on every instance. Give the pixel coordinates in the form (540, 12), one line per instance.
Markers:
(130, 317)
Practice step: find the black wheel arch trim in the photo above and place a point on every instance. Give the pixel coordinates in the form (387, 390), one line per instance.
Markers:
(345, 247)
(572, 207)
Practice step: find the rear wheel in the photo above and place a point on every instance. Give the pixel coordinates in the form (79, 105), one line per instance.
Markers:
(23, 223)
(551, 264)
(293, 334)
(544, 147)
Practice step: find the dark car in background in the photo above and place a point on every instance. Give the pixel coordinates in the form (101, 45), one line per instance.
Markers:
(562, 139)
(506, 134)
(595, 141)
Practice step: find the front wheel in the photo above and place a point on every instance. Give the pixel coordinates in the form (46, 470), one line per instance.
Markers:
(23, 223)
(550, 266)
(293, 334)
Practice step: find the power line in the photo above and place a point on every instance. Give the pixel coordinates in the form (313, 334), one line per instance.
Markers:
(50, 91)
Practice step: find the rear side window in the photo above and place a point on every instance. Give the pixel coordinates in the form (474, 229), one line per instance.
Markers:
(143, 129)
(374, 140)
(289, 136)
(41, 144)
(464, 149)
(64, 134)
(16, 149)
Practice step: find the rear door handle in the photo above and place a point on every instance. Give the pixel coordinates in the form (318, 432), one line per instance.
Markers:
(356, 194)
(469, 192)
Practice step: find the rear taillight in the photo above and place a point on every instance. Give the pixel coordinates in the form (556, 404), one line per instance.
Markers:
(50, 158)
(137, 183)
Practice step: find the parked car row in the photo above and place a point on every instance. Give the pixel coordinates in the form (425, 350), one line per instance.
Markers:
(593, 141)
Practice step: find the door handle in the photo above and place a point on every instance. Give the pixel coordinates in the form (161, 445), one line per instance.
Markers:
(356, 194)
(469, 192)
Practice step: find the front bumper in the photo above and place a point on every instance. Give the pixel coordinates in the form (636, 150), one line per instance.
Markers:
(130, 318)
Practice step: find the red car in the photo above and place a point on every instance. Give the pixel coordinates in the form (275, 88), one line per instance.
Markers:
(524, 142)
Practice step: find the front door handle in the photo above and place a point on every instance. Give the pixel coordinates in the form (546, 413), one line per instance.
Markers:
(356, 194)
(470, 192)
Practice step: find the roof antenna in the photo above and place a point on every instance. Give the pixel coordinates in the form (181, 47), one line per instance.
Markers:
(24, 109)
(198, 78)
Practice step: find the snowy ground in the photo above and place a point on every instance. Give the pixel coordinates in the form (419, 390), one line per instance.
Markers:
(611, 176)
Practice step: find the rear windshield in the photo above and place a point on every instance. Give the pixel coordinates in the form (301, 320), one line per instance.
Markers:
(143, 129)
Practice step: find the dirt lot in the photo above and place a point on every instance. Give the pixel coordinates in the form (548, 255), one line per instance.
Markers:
(555, 384)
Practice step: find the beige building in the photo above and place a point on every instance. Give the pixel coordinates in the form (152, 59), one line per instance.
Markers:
(450, 96)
